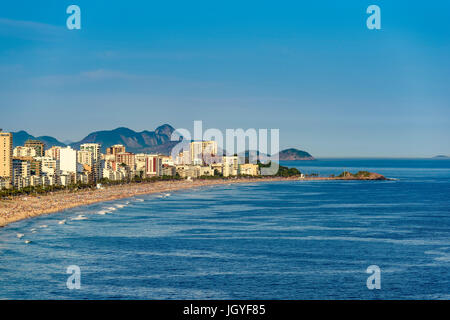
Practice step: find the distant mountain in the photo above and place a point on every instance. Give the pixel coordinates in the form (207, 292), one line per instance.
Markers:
(295, 154)
(157, 141)
(441, 156)
(20, 137)
(287, 154)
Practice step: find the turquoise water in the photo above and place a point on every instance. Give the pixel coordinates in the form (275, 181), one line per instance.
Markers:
(279, 240)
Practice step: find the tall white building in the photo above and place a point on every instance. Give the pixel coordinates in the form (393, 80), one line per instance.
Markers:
(68, 160)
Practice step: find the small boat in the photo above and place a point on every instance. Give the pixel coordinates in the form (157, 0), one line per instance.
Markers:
(62, 221)
(27, 241)
(20, 235)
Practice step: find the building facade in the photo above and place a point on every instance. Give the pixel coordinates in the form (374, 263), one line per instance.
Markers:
(115, 149)
(24, 152)
(94, 148)
(68, 160)
(36, 145)
(6, 155)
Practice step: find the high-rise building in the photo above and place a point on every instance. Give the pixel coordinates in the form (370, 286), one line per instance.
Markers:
(21, 172)
(230, 165)
(21, 168)
(37, 145)
(85, 157)
(127, 158)
(201, 151)
(68, 160)
(115, 149)
(35, 165)
(49, 166)
(6, 155)
(24, 152)
(94, 148)
(153, 165)
(53, 152)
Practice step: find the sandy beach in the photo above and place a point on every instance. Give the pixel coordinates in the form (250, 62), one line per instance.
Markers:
(24, 207)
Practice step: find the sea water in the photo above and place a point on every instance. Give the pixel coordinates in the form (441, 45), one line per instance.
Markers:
(274, 240)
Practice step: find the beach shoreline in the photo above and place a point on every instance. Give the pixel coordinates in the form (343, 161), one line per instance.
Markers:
(29, 206)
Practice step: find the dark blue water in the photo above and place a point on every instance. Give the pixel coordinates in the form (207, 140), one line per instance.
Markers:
(281, 240)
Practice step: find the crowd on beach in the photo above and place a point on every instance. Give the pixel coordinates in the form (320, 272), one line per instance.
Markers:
(24, 207)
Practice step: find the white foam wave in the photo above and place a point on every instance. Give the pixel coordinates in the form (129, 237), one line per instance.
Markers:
(79, 217)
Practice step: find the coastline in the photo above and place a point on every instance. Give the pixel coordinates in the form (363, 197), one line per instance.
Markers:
(23, 207)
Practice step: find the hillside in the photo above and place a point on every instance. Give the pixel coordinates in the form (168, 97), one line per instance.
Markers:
(20, 137)
(294, 154)
(145, 141)
(157, 141)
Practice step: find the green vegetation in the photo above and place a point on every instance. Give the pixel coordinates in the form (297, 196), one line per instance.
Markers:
(282, 171)
(313, 175)
(359, 174)
(40, 190)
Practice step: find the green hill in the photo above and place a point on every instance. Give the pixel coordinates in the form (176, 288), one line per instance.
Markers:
(295, 154)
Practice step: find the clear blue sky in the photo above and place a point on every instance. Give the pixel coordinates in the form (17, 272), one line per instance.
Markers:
(310, 68)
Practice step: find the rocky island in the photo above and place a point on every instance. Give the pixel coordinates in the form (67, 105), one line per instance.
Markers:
(294, 154)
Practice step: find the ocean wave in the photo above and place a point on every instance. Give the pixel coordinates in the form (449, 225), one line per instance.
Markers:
(79, 217)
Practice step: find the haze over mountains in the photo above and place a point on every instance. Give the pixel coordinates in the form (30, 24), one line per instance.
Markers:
(157, 141)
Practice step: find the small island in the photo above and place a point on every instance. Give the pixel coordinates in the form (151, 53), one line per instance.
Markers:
(294, 154)
(441, 156)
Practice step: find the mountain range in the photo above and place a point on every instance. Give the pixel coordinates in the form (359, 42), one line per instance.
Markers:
(20, 137)
(157, 141)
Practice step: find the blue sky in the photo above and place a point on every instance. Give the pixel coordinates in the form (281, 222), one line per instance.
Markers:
(310, 68)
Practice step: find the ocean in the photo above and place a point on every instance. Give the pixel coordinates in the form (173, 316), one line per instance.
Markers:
(275, 240)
